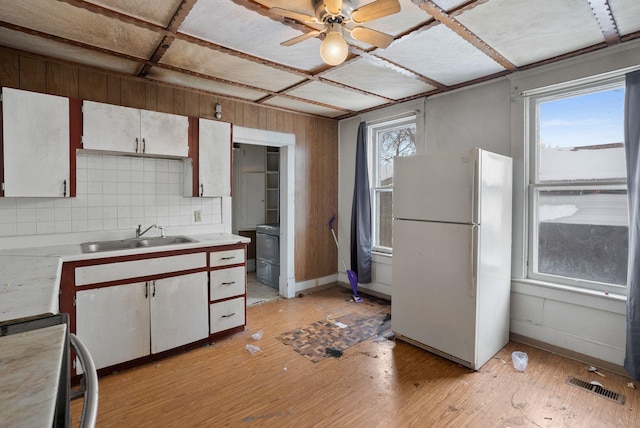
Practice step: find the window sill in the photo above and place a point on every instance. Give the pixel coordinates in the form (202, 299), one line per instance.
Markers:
(570, 294)
(380, 257)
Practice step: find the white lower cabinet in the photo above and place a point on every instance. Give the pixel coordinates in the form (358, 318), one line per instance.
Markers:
(227, 314)
(113, 322)
(124, 322)
(178, 311)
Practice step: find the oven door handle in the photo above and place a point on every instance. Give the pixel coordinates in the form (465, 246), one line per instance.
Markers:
(89, 384)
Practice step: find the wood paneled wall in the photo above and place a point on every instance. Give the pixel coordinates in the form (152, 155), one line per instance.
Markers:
(316, 168)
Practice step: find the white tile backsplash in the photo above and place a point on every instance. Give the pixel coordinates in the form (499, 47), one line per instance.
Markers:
(113, 193)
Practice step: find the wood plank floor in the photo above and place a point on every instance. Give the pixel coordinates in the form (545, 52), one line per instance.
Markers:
(376, 383)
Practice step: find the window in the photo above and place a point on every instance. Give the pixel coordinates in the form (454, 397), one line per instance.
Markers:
(388, 140)
(578, 233)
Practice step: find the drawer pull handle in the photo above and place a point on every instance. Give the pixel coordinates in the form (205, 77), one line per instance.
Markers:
(228, 283)
(228, 316)
(228, 258)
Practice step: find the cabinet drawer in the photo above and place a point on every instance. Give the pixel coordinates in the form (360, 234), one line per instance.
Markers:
(226, 315)
(227, 282)
(228, 257)
(138, 268)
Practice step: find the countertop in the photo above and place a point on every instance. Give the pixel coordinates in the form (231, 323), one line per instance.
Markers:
(73, 252)
(29, 286)
(30, 364)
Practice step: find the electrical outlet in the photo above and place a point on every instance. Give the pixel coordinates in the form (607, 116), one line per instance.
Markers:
(197, 216)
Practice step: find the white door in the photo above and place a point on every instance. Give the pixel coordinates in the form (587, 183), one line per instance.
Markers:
(179, 311)
(214, 158)
(36, 144)
(434, 286)
(113, 322)
(110, 127)
(436, 187)
(164, 133)
(252, 192)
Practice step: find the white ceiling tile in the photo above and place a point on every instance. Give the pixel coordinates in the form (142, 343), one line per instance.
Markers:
(64, 20)
(157, 12)
(170, 76)
(50, 48)
(441, 55)
(211, 62)
(626, 14)
(335, 96)
(525, 34)
(377, 79)
(303, 107)
(448, 5)
(230, 25)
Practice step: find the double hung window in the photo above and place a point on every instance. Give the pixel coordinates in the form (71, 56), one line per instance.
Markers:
(578, 217)
(387, 140)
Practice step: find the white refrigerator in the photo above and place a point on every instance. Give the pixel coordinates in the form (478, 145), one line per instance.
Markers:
(452, 253)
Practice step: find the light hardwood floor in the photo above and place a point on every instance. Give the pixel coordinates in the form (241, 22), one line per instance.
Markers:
(377, 383)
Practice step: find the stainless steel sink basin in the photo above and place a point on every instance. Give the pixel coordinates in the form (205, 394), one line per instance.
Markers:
(127, 244)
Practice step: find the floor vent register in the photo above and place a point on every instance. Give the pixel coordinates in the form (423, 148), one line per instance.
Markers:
(597, 389)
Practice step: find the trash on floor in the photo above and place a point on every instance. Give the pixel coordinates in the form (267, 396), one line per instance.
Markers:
(252, 349)
(631, 385)
(520, 360)
(257, 335)
(593, 369)
(334, 352)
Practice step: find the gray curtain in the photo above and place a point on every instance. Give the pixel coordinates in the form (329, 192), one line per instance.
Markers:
(361, 213)
(632, 152)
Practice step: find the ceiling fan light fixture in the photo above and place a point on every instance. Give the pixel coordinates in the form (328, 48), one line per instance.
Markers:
(334, 49)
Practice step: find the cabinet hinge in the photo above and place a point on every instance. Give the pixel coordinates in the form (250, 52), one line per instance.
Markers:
(0, 97)
(2, 186)
(74, 301)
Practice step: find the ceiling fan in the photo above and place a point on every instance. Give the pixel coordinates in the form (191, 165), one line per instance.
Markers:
(332, 17)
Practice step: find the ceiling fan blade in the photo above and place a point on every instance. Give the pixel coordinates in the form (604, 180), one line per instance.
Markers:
(375, 10)
(334, 7)
(372, 37)
(292, 14)
(300, 38)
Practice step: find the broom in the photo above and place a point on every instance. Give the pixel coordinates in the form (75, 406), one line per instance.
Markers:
(351, 275)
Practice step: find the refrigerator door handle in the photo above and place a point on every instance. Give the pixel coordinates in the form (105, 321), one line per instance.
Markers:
(473, 271)
(475, 189)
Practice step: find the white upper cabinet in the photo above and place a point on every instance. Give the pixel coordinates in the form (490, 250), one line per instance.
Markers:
(129, 130)
(109, 127)
(36, 144)
(214, 158)
(164, 133)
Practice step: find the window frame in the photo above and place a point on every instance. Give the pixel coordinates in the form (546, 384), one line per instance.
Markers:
(534, 186)
(375, 189)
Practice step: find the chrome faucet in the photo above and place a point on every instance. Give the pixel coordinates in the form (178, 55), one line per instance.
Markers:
(139, 231)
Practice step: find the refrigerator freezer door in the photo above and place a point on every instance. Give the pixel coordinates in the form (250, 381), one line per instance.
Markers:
(437, 187)
(434, 287)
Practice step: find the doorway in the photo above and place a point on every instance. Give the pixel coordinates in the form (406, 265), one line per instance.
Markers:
(257, 141)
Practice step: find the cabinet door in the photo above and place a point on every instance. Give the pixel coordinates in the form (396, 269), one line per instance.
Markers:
(36, 144)
(214, 162)
(109, 127)
(113, 322)
(164, 133)
(178, 311)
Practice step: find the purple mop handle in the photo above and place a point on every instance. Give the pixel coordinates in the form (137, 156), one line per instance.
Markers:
(333, 218)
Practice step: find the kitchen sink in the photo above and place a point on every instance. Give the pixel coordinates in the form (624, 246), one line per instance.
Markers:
(128, 244)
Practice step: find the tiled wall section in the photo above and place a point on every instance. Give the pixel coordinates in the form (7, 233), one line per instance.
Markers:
(113, 193)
